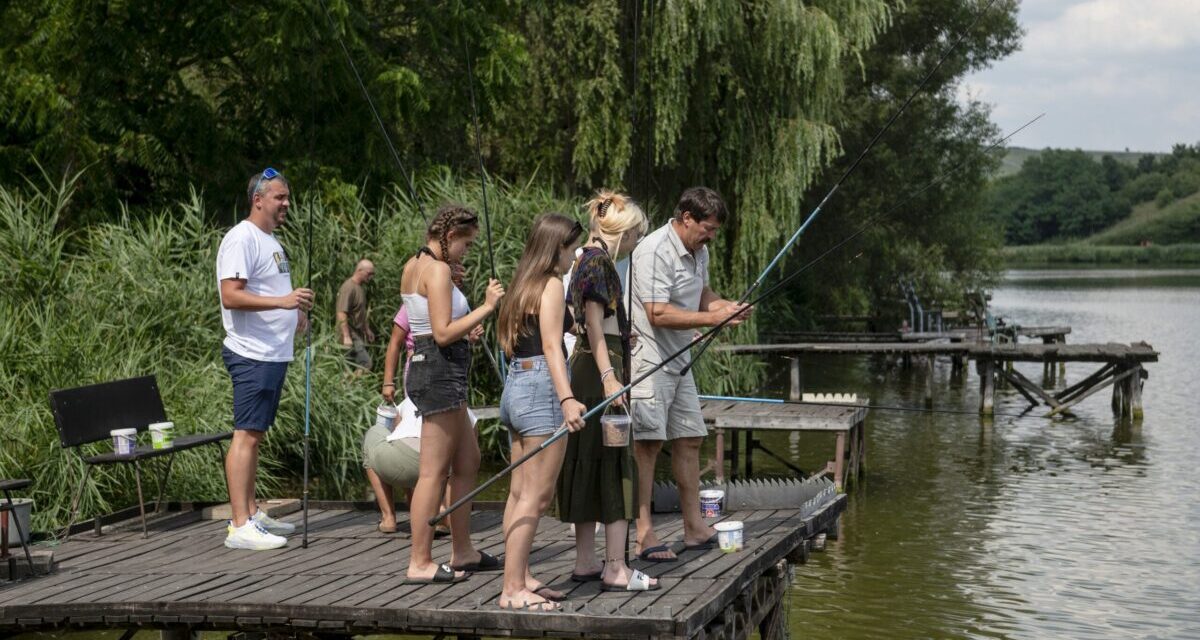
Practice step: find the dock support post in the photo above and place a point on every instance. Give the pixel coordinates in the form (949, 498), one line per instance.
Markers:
(929, 382)
(796, 380)
(987, 386)
(1135, 393)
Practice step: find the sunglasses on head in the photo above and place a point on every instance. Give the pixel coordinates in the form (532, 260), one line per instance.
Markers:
(268, 174)
(576, 231)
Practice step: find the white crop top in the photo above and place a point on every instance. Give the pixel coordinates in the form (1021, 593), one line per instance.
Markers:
(418, 310)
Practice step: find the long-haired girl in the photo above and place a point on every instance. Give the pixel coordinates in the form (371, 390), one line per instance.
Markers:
(598, 483)
(441, 320)
(537, 397)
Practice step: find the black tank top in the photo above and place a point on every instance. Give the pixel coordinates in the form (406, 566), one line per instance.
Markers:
(530, 345)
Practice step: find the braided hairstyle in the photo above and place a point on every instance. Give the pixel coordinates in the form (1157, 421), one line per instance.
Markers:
(450, 218)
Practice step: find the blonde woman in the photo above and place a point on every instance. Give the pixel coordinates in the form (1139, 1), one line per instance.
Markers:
(441, 320)
(537, 397)
(598, 483)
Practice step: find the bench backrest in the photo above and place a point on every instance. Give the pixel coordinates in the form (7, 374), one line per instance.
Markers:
(87, 414)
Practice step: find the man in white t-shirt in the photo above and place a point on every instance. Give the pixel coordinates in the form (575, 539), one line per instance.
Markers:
(261, 313)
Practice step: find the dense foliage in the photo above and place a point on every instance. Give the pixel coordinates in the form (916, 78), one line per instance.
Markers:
(1062, 195)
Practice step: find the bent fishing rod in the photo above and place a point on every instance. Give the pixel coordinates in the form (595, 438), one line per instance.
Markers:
(846, 174)
(563, 430)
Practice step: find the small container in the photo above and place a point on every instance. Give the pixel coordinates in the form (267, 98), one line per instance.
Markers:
(162, 435)
(710, 502)
(616, 428)
(124, 440)
(385, 416)
(729, 535)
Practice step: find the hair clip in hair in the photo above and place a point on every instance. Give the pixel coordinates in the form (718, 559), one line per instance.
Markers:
(603, 209)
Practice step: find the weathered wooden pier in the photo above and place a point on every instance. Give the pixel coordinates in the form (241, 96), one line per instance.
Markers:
(350, 580)
(1121, 365)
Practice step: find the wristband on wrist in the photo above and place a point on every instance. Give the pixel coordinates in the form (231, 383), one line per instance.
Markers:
(563, 401)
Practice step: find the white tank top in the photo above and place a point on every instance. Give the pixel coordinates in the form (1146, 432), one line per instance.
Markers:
(418, 310)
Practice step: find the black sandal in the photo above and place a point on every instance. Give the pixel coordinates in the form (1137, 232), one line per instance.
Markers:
(487, 562)
(444, 574)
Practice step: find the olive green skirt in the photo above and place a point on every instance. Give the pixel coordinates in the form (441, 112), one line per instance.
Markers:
(597, 483)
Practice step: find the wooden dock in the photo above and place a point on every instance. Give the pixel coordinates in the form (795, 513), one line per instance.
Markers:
(1121, 365)
(349, 581)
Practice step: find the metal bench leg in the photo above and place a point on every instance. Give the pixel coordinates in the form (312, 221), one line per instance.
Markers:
(20, 534)
(87, 471)
(162, 484)
(137, 472)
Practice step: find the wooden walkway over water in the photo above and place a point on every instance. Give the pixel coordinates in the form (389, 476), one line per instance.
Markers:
(1121, 365)
(349, 581)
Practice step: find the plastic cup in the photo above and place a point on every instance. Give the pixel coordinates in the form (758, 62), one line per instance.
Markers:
(710, 502)
(385, 416)
(729, 535)
(162, 435)
(616, 428)
(124, 440)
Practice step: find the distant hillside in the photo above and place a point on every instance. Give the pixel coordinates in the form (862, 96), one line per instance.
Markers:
(1177, 222)
(1017, 156)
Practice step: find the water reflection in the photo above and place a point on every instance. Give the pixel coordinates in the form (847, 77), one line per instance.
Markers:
(1084, 527)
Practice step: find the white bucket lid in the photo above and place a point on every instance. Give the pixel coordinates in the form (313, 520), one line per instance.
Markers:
(123, 432)
(161, 426)
(728, 525)
(712, 494)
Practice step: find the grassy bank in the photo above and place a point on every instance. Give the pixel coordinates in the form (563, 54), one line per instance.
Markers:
(138, 296)
(1083, 253)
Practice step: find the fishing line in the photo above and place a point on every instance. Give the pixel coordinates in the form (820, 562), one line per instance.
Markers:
(562, 431)
(498, 359)
(846, 174)
(412, 192)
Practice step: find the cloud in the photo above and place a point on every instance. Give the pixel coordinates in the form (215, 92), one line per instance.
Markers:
(1120, 27)
(1110, 74)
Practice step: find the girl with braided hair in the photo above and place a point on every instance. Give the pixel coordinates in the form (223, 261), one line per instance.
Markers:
(598, 483)
(441, 321)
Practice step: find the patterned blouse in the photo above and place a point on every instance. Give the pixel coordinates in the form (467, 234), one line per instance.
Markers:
(595, 278)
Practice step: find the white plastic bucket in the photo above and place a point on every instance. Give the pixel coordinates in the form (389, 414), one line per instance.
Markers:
(124, 440)
(22, 509)
(729, 535)
(385, 416)
(162, 435)
(615, 428)
(710, 502)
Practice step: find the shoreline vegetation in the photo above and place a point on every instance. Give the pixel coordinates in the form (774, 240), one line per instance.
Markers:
(1090, 254)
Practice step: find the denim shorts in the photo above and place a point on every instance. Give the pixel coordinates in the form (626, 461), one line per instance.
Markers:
(257, 387)
(437, 376)
(529, 405)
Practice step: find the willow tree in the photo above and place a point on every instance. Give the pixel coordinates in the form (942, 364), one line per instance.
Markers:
(739, 95)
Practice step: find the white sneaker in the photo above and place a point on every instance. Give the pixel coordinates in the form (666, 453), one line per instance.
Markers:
(272, 525)
(252, 536)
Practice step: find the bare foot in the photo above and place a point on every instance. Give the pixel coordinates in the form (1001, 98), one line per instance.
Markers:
(526, 600)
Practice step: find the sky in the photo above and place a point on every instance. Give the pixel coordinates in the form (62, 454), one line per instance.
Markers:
(1109, 74)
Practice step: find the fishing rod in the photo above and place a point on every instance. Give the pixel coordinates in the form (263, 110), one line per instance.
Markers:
(562, 430)
(846, 174)
(487, 223)
(387, 138)
(307, 384)
(873, 407)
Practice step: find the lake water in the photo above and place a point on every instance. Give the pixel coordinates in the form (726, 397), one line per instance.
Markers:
(1031, 528)
(1073, 528)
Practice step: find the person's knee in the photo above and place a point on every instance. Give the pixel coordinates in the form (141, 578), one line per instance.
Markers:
(687, 444)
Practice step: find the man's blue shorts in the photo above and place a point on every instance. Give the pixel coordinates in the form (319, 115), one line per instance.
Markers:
(257, 387)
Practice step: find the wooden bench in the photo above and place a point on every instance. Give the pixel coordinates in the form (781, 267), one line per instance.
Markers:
(87, 414)
(6, 508)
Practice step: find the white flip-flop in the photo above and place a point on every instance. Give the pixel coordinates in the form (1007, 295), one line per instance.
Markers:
(637, 582)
